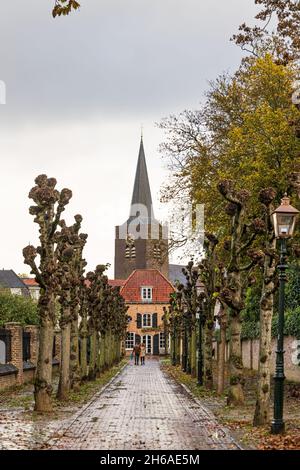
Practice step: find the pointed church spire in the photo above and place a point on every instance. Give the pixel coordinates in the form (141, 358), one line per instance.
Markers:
(141, 190)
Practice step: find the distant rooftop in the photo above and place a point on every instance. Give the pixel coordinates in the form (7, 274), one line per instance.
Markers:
(30, 282)
(10, 280)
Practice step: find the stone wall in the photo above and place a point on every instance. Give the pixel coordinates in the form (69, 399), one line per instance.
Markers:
(250, 352)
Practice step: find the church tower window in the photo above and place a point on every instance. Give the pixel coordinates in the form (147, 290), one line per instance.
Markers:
(130, 251)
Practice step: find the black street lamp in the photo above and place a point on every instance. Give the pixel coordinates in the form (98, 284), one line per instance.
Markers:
(184, 345)
(199, 317)
(188, 336)
(284, 219)
(199, 350)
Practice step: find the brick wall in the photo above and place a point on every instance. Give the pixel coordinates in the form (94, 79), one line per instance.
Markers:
(7, 381)
(17, 372)
(16, 349)
(34, 342)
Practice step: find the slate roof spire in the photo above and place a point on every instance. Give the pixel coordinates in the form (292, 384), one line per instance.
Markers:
(141, 190)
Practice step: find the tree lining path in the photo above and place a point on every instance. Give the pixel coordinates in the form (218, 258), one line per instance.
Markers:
(144, 409)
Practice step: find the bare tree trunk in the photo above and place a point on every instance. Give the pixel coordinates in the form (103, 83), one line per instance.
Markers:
(74, 355)
(208, 357)
(193, 353)
(102, 349)
(178, 347)
(262, 408)
(236, 393)
(43, 380)
(83, 333)
(83, 357)
(92, 364)
(64, 377)
(221, 359)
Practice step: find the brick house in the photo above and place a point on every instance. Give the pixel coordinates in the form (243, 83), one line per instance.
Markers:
(11, 282)
(33, 287)
(146, 292)
(142, 268)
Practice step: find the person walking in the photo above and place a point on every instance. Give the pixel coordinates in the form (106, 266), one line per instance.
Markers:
(137, 352)
(143, 353)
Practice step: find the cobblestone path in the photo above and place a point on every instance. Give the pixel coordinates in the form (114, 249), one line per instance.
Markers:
(143, 408)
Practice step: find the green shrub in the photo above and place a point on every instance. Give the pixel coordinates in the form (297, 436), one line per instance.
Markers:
(250, 330)
(15, 308)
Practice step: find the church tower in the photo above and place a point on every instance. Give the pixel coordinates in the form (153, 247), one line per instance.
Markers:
(141, 242)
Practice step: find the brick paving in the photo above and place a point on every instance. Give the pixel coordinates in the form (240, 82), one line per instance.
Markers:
(144, 409)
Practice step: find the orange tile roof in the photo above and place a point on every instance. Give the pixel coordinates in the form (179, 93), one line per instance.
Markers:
(161, 287)
(111, 282)
(31, 282)
(116, 282)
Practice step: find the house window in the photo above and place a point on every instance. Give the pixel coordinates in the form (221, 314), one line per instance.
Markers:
(146, 294)
(130, 251)
(147, 320)
(129, 343)
(162, 340)
(147, 340)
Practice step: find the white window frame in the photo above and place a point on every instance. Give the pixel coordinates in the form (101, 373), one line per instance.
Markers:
(148, 318)
(162, 340)
(148, 340)
(146, 293)
(130, 340)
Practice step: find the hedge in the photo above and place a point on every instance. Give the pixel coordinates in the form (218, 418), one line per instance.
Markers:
(16, 308)
(250, 330)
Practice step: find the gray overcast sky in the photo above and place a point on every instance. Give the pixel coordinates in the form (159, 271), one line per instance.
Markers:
(78, 89)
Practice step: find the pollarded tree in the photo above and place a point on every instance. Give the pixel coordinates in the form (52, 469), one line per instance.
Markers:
(269, 285)
(243, 234)
(84, 290)
(97, 281)
(64, 253)
(49, 205)
(192, 300)
(78, 266)
(173, 316)
(120, 320)
(70, 269)
(207, 274)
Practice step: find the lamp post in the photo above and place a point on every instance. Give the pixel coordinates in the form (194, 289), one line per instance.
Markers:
(199, 351)
(284, 219)
(184, 345)
(199, 318)
(187, 336)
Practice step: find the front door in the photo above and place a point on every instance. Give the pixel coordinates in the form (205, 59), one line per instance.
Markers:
(156, 345)
(147, 339)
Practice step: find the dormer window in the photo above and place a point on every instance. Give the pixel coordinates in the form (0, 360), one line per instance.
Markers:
(146, 294)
